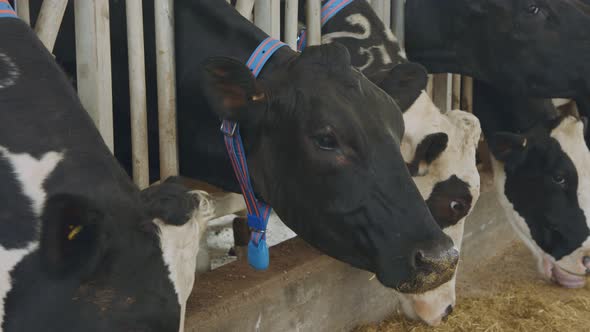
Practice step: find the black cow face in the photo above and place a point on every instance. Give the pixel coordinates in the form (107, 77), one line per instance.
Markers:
(543, 177)
(323, 129)
(532, 46)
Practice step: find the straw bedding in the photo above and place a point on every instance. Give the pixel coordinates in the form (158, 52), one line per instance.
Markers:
(506, 294)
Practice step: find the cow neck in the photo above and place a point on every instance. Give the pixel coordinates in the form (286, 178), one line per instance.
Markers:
(225, 33)
(258, 211)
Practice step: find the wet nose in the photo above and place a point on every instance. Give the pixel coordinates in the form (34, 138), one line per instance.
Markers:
(448, 311)
(435, 260)
(586, 262)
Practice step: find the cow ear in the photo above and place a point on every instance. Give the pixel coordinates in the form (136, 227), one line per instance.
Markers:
(170, 202)
(508, 148)
(72, 238)
(232, 90)
(405, 83)
(427, 151)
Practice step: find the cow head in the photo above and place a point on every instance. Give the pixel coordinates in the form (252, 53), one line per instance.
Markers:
(125, 266)
(439, 150)
(318, 126)
(532, 46)
(541, 176)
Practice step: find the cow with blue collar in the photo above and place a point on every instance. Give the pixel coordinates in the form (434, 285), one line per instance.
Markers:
(537, 48)
(541, 170)
(439, 149)
(81, 248)
(321, 141)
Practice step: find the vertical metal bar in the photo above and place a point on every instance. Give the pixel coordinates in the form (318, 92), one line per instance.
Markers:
(291, 22)
(456, 95)
(245, 7)
(467, 94)
(442, 92)
(49, 20)
(166, 75)
(387, 13)
(262, 15)
(275, 19)
(430, 86)
(137, 93)
(23, 11)
(397, 20)
(378, 8)
(93, 57)
(314, 25)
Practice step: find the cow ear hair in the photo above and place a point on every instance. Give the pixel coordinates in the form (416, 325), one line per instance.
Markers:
(72, 236)
(404, 83)
(508, 148)
(232, 90)
(427, 151)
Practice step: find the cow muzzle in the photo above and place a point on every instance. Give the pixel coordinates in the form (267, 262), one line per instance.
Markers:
(586, 262)
(432, 268)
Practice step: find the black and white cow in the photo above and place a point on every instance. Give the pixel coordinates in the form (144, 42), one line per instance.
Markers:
(81, 249)
(322, 141)
(533, 47)
(439, 149)
(542, 175)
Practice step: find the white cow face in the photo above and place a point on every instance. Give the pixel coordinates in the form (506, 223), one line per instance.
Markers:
(440, 152)
(543, 181)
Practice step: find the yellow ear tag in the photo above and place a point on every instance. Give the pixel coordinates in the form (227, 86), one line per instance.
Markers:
(74, 231)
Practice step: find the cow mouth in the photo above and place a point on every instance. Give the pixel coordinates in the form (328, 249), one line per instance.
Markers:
(563, 277)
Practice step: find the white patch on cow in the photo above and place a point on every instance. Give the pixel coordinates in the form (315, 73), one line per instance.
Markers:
(354, 20)
(370, 58)
(180, 247)
(463, 130)
(390, 35)
(403, 54)
(11, 70)
(31, 173)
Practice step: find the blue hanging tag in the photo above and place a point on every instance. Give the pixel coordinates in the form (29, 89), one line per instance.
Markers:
(258, 254)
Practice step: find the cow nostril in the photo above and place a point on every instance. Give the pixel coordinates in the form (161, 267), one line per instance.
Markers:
(419, 259)
(586, 262)
(448, 311)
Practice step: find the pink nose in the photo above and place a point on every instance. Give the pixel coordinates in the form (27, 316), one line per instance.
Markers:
(587, 264)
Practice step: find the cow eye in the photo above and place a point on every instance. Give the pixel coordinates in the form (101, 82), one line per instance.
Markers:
(326, 141)
(457, 206)
(558, 179)
(533, 9)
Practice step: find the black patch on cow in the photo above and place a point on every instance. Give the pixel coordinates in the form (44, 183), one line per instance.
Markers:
(450, 201)
(549, 207)
(405, 83)
(427, 151)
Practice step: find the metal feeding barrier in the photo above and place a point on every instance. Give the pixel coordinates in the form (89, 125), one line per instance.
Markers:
(93, 54)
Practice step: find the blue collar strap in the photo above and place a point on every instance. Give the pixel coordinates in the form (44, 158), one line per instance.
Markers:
(6, 10)
(258, 211)
(329, 9)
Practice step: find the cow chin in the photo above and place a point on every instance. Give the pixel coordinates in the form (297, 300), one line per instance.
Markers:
(431, 307)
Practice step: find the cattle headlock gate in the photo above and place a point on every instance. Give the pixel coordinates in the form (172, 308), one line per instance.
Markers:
(94, 82)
